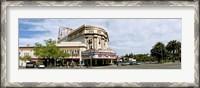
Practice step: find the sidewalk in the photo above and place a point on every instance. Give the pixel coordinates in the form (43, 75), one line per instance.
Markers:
(104, 66)
(176, 62)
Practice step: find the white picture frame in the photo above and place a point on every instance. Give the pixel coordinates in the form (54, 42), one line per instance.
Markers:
(4, 39)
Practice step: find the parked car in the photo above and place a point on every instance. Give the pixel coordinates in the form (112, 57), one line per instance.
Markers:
(131, 63)
(137, 63)
(123, 63)
(30, 65)
(41, 66)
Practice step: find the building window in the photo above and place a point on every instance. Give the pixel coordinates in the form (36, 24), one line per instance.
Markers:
(99, 31)
(82, 32)
(91, 31)
(99, 41)
(26, 54)
(77, 51)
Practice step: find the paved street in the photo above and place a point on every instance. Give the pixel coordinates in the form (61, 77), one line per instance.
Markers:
(144, 66)
(141, 66)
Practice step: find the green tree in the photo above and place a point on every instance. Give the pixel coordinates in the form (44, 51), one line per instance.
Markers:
(49, 51)
(174, 47)
(142, 57)
(158, 51)
(130, 55)
(178, 48)
(138, 57)
(126, 55)
(169, 56)
(39, 50)
(25, 58)
(63, 55)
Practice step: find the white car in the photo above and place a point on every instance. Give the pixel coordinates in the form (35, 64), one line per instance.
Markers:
(137, 63)
(123, 64)
(41, 66)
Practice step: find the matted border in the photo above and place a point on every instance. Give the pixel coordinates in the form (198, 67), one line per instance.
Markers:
(5, 4)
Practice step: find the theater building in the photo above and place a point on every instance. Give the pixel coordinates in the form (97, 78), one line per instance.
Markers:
(86, 45)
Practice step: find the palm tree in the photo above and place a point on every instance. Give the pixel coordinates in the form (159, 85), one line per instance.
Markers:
(171, 47)
(174, 47)
(158, 51)
(178, 48)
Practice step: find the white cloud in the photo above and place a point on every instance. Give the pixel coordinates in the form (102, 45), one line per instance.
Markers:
(126, 35)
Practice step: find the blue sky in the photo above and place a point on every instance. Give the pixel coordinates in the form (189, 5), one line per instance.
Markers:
(126, 35)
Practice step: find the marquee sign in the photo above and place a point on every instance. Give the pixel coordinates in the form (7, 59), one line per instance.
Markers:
(99, 55)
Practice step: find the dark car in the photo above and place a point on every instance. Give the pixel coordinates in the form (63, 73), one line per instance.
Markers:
(30, 65)
(131, 63)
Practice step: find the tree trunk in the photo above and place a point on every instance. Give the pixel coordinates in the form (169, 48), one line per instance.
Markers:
(173, 56)
(55, 60)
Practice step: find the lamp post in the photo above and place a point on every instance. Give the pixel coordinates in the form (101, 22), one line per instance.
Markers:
(72, 54)
(90, 47)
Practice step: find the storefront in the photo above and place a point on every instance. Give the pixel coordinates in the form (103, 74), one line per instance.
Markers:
(98, 57)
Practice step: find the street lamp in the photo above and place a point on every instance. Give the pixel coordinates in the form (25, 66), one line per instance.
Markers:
(90, 47)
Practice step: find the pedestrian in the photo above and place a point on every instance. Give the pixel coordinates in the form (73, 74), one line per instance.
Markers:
(81, 63)
(67, 64)
(87, 64)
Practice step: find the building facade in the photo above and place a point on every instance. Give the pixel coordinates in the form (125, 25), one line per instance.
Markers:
(86, 45)
(74, 50)
(96, 40)
(97, 35)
